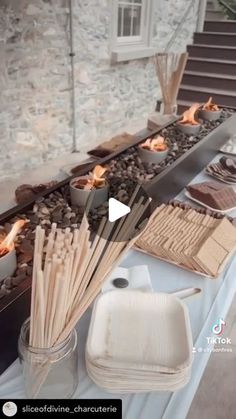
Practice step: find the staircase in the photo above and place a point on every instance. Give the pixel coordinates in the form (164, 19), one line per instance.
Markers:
(213, 11)
(211, 66)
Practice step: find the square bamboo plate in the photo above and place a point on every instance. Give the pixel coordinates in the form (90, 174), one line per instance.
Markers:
(119, 338)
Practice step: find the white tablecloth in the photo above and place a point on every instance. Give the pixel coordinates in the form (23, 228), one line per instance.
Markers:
(204, 310)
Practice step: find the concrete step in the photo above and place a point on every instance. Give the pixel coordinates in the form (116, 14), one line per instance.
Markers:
(214, 14)
(220, 26)
(202, 94)
(215, 81)
(213, 5)
(215, 38)
(212, 51)
(209, 65)
(183, 105)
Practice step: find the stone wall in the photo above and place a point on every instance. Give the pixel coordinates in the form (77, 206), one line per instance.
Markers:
(35, 76)
(35, 106)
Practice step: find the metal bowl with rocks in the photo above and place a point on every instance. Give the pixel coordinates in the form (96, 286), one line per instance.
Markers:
(8, 264)
(189, 124)
(79, 195)
(154, 150)
(189, 129)
(209, 115)
(210, 111)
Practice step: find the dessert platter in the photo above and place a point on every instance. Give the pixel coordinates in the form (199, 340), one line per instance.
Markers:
(212, 195)
(224, 170)
(199, 241)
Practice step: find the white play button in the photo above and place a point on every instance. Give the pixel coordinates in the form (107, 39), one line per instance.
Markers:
(116, 210)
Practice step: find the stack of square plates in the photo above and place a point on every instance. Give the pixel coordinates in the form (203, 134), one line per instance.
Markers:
(230, 146)
(139, 342)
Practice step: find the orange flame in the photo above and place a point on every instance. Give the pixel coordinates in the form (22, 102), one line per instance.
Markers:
(155, 144)
(188, 116)
(95, 179)
(8, 243)
(209, 106)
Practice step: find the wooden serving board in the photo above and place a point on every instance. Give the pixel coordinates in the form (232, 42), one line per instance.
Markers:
(186, 268)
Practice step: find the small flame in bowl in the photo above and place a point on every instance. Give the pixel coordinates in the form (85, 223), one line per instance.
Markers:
(210, 106)
(155, 144)
(7, 244)
(188, 116)
(94, 180)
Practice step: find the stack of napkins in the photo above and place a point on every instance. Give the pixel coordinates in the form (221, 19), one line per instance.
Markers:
(136, 277)
(139, 342)
(230, 146)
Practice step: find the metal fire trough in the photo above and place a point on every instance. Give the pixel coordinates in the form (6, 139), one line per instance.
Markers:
(14, 308)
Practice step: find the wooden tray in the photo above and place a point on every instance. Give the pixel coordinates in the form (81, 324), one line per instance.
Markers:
(186, 268)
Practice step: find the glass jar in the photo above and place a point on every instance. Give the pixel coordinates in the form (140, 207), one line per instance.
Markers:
(168, 108)
(50, 373)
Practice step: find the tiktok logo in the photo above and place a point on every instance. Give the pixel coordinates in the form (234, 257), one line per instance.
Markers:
(219, 327)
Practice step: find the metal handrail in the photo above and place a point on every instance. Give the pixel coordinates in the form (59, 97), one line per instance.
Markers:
(179, 27)
(228, 7)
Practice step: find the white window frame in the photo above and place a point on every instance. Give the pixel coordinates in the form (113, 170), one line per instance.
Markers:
(126, 48)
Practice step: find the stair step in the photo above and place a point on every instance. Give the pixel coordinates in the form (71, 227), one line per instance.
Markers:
(212, 5)
(215, 38)
(220, 26)
(217, 75)
(214, 14)
(202, 94)
(220, 91)
(183, 105)
(213, 51)
(209, 65)
(201, 79)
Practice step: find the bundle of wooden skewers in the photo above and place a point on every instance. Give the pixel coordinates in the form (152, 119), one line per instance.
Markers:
(169, 69)
(69, 270)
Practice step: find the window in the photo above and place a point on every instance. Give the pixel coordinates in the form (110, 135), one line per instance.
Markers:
(132, 29)
(130, 15)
